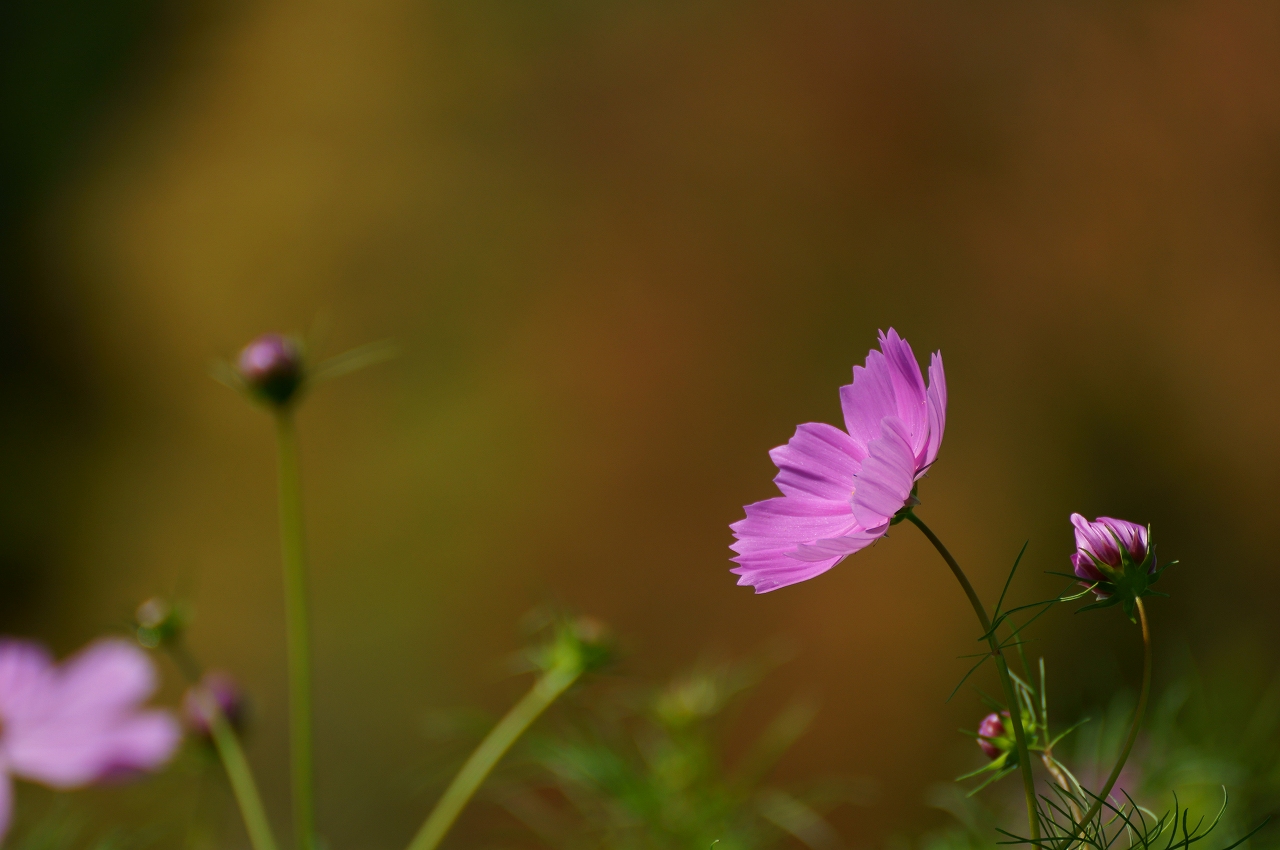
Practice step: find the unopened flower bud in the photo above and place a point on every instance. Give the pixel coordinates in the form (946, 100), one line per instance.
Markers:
(1105, 543)
(994, 737)
(580, 643)
(689, 699)
(159, 622)
(1114, 557)
(214, 689)
(271, 367)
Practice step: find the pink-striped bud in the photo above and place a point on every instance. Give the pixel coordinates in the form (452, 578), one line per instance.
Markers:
(994, 737)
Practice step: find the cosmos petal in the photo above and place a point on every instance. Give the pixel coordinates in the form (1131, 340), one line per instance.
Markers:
(771, 571)
(838, 546)
(108, 675)
(790, 521)
(868, 400)
(26, 678)
(820, 460)
(1133, 537)
(937, 404)
(908, 388)
(83, 721)
(1093, 538)
(887, 476)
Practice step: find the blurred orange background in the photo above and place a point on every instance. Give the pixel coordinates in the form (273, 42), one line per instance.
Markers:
(624, 249)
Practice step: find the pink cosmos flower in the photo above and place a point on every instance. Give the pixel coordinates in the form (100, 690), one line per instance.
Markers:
(842, 488)
(79, 722)
(1099, 540)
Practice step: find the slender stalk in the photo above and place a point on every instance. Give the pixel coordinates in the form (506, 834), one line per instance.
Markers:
(1010, 695)
(1138, 713)
(1051, 765)
(240, 776)
(544, 692)
(1046, 758)
(299, 631)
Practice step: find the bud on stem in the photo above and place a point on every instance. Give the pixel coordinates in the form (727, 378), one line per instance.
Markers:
(272, 368)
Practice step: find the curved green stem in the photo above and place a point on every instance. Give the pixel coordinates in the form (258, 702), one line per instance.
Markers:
(1010, 695)
(1138, 712)
(544, 692)
(297, 619)
(239, 775)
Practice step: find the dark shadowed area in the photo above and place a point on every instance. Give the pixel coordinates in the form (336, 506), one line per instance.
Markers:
(624, 248)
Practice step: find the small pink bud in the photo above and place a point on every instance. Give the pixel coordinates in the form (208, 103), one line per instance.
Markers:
(220, 689)
(271, 366)
(992, 726)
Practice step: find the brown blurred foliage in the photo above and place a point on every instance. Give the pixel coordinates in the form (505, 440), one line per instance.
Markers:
(625, 248)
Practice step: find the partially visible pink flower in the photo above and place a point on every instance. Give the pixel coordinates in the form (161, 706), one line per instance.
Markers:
(992, 732)
(1101, 540)
(78, 722)
(842, 488)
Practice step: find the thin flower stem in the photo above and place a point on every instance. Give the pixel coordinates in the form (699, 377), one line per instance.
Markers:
(1133, 729)
(240, 777)
(239, 774)
(544, 692)
(299, 631)
(1011, 696)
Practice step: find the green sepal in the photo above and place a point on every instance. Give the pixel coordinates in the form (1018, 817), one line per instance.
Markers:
(578, 644)
(995, 778)
(905, 510)
(1105, 602)
(996, 765)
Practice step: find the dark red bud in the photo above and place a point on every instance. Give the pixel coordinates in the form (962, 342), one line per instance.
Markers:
(992, 726)
(220, 689)
(271, 366)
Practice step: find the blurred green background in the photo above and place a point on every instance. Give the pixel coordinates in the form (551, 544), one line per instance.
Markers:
(625, 248)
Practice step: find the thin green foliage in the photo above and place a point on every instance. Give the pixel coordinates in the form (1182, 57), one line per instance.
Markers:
(648, 769)
(999, 617)
(1119, 823)
(1194, 734)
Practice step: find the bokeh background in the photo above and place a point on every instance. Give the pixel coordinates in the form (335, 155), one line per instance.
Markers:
(624, 248)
